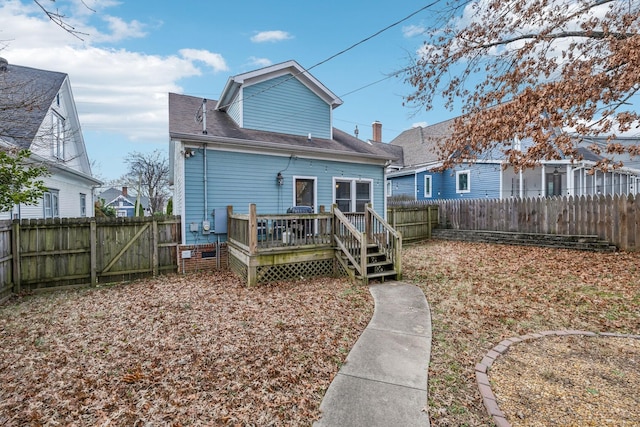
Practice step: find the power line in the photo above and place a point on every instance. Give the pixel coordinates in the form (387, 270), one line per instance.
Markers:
(366, 39)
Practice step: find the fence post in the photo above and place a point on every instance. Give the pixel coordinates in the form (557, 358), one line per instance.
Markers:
(15, 248)
(93, 250)
(154, 244)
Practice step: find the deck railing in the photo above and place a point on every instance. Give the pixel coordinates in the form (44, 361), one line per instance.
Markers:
(295, 243)
(350, 240)
(386, 237)
(272, 232)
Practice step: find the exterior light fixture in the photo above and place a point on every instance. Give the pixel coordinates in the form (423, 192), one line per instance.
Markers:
(279, 179)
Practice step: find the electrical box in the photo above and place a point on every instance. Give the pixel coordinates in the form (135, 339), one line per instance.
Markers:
(206, 227)
(193, 227)
(220, 220)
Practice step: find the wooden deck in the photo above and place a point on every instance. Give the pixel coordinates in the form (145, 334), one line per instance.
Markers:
(267, 248)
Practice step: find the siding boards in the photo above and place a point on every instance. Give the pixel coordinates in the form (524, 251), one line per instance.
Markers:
(287, 107)
(239, 179)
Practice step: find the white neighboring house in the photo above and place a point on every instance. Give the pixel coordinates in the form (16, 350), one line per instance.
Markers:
(38, 112)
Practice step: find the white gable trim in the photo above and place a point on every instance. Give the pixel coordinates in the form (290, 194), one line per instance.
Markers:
(290, 67)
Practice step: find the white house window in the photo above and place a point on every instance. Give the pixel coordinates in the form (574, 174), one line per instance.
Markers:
(463, 181)
(121, 213)
(352, 195)
(427, 186)
(50, 204)
(389, 188)
(57, 135)
(83, 205)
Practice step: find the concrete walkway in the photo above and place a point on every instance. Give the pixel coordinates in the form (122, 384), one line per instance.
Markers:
(384, 379)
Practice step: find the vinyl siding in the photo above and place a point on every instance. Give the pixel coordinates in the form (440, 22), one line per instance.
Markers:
(285, 105)
(235, 109)
(68, 198)
(239, 179)
(484, 182)
(403, 186)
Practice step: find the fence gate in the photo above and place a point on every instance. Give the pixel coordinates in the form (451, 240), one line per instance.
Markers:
(63, 252)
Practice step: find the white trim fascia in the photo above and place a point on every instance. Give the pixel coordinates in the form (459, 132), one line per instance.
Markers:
(277, 70)
(263, 147)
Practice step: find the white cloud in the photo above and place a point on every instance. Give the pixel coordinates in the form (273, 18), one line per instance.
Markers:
(214, 60)
(116, 90)
(420, 125)
(413, 30)
(121, 30)
(271, 36)
(259, 62)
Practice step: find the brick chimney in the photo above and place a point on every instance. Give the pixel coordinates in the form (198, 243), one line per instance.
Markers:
(377, 131)
(124, 192)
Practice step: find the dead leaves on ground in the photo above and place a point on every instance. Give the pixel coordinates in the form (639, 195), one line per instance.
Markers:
(481, 294)
(192, 350)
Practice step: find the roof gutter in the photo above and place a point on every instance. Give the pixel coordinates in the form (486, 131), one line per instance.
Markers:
(280, 148)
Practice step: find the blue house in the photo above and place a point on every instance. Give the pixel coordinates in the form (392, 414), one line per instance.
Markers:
(491, 177)
(123, 202)
(269, 140)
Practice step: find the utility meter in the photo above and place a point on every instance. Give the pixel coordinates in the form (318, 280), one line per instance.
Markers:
(206, 227)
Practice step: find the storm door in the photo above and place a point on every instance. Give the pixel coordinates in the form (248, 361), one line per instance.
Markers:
(305, 192)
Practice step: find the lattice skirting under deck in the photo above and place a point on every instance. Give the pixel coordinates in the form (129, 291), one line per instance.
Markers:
(238, 267)
(297, 270)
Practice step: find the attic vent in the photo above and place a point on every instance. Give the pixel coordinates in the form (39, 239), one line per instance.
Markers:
(3, 65)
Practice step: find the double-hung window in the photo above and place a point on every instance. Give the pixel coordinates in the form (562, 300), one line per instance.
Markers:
(352, 195)
(57, 135)
(83, 205)
(463, 181)
(50, 204)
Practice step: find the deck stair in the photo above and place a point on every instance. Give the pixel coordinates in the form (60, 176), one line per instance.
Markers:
(367, 247)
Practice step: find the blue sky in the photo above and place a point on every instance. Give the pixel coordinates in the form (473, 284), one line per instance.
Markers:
(134, 52)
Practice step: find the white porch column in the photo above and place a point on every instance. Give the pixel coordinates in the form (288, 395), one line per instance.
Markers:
(570, 181)
(543, 182)
(520, 184)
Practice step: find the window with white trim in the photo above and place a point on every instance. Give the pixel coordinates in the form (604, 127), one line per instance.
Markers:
(50, 204)
(463, 181)
(389, 188)
(83, 205)
(352, 195)
(427, 186)
(57, 135)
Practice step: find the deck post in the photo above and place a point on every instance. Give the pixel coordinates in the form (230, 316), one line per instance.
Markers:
(253, 230)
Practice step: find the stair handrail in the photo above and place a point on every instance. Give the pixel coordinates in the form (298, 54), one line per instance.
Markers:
(393, 248)
(341, 219)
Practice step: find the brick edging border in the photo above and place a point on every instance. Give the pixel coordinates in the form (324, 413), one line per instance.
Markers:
(482, 368)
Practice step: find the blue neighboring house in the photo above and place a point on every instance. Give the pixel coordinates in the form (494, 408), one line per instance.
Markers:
(269, 140)
(123, 202)
(491, 177)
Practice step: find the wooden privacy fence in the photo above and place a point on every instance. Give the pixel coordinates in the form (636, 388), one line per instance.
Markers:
(63, 252)
(414, 221)
(615, 219)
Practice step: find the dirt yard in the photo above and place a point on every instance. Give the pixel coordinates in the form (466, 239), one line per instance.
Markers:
(205, 350)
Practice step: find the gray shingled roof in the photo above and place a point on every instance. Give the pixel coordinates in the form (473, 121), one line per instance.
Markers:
(182, 125)
(25, 97)
(419, 143)
(112, 194)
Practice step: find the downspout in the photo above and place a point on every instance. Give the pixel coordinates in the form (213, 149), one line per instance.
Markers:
(204, 175)
(204, 157)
